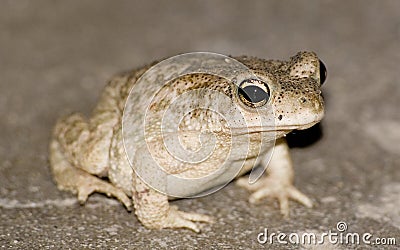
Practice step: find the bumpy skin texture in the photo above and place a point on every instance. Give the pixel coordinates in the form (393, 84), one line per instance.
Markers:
(84, 150)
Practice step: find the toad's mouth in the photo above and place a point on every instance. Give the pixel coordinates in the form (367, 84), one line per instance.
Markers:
(284, 129)
(297, 127)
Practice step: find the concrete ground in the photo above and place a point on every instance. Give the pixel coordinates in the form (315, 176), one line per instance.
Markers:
(55, 57)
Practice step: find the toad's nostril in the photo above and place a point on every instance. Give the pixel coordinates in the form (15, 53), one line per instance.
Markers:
(302, 100)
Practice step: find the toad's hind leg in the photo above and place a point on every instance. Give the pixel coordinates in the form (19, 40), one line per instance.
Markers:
(73, 171)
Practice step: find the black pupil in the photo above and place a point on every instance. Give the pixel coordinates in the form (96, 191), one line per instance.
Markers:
(322, 72)
(254, 94)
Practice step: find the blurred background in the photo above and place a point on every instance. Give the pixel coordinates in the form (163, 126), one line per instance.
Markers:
(56, 56)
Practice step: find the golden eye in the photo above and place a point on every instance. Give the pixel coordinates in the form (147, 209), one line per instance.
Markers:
(253, 93)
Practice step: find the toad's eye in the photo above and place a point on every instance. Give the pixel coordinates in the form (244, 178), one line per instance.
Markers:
(323, 73)
(253, 93)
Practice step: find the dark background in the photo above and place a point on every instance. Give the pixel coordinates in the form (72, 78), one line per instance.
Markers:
(55, 57)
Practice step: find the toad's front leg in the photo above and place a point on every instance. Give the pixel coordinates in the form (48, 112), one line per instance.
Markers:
(153, 210)
(279, 181)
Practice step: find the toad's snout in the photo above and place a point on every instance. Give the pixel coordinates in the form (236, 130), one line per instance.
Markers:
(310, 108)
(312, 103)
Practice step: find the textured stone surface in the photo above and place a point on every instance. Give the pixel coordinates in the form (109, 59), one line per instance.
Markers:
(57, 55)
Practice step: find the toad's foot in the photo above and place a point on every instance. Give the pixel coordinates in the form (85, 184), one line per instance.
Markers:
(180, 219)
(153, 208)
(89, 184)
(79, 181)
(268, 187)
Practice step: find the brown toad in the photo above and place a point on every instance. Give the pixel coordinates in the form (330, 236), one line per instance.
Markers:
(89, 155)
